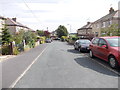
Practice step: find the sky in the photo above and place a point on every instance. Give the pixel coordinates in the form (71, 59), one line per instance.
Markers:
(49, 14)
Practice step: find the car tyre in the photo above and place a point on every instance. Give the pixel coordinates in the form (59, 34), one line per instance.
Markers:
(91, 54)
(75, 48)
(112, 62)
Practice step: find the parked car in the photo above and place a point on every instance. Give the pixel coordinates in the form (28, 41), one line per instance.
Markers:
(48, 40)
(106, 48)
(82, 45)
(57, 39)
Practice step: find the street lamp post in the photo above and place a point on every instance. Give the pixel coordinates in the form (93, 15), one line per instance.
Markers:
(70, 28)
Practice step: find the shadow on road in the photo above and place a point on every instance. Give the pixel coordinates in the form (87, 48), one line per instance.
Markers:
(73, 51)
(87, 63)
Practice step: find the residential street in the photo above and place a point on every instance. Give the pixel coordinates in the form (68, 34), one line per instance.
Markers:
(57, 66)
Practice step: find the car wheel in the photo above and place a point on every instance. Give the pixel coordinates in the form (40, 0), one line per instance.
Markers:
(91, 54)
(75, 48)
(112, 62)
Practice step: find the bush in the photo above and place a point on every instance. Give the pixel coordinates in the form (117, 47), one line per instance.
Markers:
(31, 43)
(74, 38)
(5, 50)
(27, 48)
(64, 38)
(15, 51)
(42, 40)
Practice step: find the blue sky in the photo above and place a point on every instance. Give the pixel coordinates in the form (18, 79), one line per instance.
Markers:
(40, 14)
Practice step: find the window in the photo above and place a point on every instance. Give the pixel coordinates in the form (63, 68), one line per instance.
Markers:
(102, 42)
(110, 22)
(98, 25)
(103, 24)
(96, 34)
(95, 41)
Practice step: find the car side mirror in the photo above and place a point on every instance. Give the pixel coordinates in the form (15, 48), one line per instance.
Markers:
(104, 46)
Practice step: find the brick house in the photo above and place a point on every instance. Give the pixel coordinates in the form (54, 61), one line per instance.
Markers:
(105, 22)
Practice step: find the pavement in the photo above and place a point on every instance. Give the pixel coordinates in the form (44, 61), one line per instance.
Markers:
(5, 57)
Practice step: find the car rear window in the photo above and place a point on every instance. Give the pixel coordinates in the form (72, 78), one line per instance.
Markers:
(84, 41)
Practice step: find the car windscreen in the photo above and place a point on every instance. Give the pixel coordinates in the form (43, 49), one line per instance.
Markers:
(84, 42)
(114, 42)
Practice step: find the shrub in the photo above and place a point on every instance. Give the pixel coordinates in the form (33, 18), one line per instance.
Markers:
(20, 47)
(42, 40)
(27, 48)
(5, 50)
(74, 38)
(15, 51)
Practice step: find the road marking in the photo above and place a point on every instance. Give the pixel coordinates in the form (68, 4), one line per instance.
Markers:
(15, 82)
(105, 66)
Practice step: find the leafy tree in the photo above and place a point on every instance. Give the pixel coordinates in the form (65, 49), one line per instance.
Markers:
(30, 38)
(62, 31)
(6, 36)
(43, 33)
(47, 34)
(112, 30)
(40, 32)
(18, 38)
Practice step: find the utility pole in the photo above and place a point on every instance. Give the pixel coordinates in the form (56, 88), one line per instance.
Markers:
(70, 28)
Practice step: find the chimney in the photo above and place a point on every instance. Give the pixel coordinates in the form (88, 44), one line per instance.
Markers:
(111, 10)
(14, 19)
(88, 23)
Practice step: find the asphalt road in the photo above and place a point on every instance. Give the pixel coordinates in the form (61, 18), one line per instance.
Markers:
(14, 67)
(60, 66)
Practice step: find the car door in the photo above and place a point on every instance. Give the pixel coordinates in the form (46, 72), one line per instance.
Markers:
(102, 50)
(94, 46)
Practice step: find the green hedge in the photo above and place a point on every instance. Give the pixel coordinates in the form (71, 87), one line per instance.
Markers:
(5, 50)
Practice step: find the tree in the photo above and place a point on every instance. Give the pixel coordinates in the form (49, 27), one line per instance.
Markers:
(6, 36)
(62, 31)
(18, 38)
(30, 38)
(40, 32)
(112, 30)
(47, 34)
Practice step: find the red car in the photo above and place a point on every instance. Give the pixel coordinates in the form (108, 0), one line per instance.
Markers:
(106, 48)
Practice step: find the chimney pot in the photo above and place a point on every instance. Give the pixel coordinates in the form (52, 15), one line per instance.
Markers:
(14, 19)
(88, 23)
(111, 10)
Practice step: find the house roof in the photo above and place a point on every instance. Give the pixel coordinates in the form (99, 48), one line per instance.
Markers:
(1, 17)
(109, 16)
(11, 22)
(87, 26)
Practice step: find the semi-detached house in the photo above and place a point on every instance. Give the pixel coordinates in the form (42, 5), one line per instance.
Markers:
(14, 27)
(85, 31)
(105, 22)
(94, 28)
